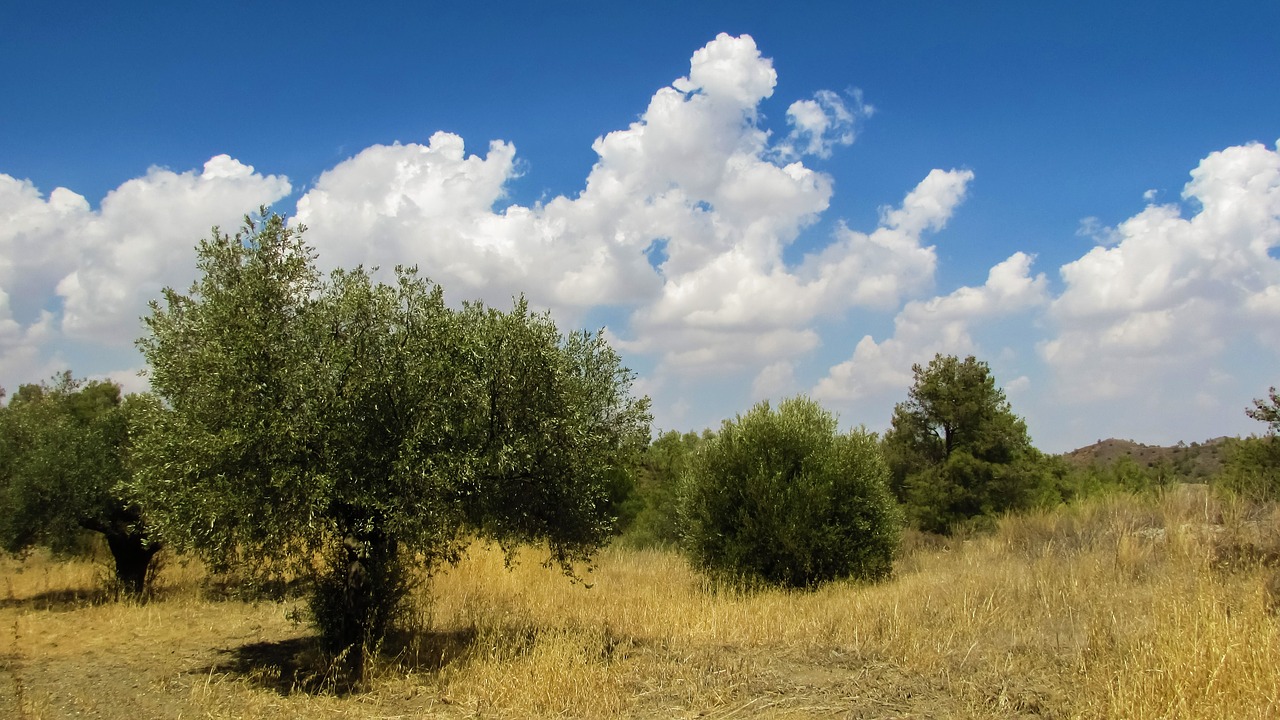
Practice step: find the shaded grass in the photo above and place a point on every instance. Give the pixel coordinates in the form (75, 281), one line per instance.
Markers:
(1121, 607)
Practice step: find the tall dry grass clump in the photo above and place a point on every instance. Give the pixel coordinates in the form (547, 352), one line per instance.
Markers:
(1122, 607)
(1172, 601)
(1136, 607)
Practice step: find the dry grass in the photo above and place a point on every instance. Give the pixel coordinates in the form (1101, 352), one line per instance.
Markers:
(1121, 608)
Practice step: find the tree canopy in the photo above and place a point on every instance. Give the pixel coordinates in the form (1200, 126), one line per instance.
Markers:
(650, 512)
(956, 449)
(370, 425)
(63, 470)
(1267, 410)
(780, 496)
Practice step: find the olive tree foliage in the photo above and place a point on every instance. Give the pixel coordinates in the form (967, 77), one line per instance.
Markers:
(956, 450)
(1267, 410)
(351, 432)
(64, 470)
(780, 497)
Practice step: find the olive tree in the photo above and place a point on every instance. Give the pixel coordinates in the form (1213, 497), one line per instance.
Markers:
(1267, 410)
(64, 470)
(956, 450)
(780, 496)
(351, 432)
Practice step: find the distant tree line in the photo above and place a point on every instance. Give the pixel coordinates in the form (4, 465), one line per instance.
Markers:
(959, 458)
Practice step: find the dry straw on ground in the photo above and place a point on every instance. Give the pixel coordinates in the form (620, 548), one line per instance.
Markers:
(1121, 608)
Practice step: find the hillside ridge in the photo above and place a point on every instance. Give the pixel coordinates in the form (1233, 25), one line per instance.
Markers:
(1195, 460)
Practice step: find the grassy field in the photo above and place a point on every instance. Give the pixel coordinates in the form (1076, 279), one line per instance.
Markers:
(1122, 608)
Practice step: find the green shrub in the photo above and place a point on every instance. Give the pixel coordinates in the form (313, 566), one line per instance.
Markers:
(780, 497)
(648, 517)
(1252, 468)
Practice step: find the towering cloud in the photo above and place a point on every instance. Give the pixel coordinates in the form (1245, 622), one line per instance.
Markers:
(1160, 329)
(1150, 321)
(685, 218)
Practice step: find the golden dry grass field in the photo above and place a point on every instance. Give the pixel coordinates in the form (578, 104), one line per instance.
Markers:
(1121, 608)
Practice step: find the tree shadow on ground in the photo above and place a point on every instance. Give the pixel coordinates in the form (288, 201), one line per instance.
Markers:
(299, 665)
(61, 600)
(231, 587)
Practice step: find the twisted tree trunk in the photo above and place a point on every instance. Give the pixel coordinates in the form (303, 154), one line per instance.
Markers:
(131, 548)
(133, 555)
(358, 600)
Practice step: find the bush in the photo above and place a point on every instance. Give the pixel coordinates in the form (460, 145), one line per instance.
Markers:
(1252, 468)
(781, 497)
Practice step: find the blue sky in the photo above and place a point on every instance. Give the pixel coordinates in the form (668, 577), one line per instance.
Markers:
(1087, 196)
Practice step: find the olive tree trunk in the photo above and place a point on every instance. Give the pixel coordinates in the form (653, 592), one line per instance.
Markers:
(133, 555)
(359, 599)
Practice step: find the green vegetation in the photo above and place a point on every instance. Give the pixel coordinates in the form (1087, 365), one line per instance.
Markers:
(1267, 410)
(649, 513)
(779, 496)
(63, 471)
(957, 453)
(1253, 464)
(1252, 468)
(346, 431)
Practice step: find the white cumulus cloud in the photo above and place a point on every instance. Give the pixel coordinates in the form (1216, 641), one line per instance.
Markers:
(681, 226)
(923, 328)
(1160, 306)
(820, 125)
(683, 233)
(69, 272)
(695, 176)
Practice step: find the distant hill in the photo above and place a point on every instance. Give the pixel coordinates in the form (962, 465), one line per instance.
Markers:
(1193, 462)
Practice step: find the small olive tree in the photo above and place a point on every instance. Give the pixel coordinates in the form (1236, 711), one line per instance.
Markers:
(64, 470)
(780, 496)
(350, 432)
